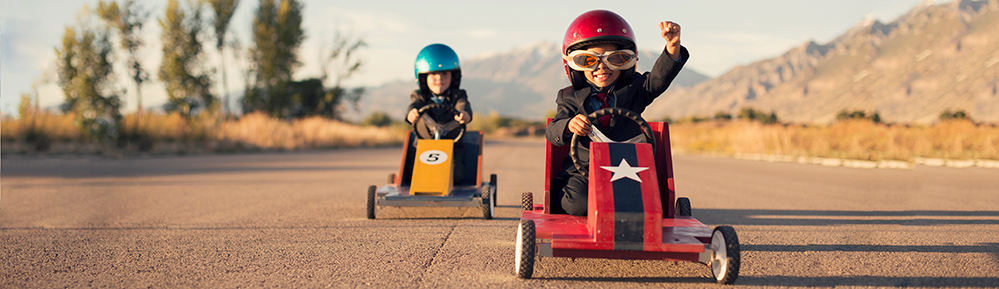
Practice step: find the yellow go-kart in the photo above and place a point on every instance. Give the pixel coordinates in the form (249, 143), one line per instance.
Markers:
(426, 177)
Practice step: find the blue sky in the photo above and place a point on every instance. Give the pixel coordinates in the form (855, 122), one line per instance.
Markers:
(720, 34)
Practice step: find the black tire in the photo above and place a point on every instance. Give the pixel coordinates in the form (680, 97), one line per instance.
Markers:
(492, 182)
(488, 202)
(371, 202)
(524, 256)
(726, 260)
(527, 201)
(683, 207)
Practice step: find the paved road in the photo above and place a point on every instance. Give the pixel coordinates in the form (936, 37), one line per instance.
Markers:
(297, 220)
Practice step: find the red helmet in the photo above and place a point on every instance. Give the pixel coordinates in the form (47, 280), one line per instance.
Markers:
(597, 27)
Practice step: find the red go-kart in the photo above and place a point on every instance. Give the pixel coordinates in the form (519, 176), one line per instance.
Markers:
(631, 210)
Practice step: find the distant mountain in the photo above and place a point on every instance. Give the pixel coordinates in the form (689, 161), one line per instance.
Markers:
(522, 82)
(931, 59)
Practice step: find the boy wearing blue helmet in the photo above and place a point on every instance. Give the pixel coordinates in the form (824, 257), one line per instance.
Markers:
(438, 73)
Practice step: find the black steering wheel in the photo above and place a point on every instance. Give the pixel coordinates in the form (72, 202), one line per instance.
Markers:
(646, 137)
(436, 130)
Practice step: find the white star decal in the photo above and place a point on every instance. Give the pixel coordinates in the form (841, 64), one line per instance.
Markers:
(625, 170)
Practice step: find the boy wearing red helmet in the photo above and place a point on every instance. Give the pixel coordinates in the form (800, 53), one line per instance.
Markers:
(599, 53)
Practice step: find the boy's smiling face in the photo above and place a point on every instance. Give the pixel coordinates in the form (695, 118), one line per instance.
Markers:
(602, 76)
(439, 81)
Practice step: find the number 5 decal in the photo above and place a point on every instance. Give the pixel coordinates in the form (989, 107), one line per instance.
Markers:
(433, 157)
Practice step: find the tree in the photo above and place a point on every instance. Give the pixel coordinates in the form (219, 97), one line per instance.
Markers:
(86, 78)
(187, 83)
(277, 34)
(128, 20)
(343, 58)
(224, 9)
(723, 115)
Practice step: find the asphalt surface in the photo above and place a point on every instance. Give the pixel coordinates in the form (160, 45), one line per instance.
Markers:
(297, 220)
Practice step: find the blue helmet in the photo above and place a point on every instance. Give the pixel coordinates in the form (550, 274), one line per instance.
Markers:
(437, 57)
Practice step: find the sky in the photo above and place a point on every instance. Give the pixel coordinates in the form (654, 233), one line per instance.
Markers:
(720, 34)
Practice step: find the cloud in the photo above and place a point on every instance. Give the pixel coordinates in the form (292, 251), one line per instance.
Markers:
(364, 20)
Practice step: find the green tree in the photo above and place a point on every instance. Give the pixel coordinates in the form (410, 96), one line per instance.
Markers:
(127, 20)
(277, 34)
(957, 114)
(224, 9)
(187, 83)
(723, 115)
(377, 118)
(342, 58)
(86, 78)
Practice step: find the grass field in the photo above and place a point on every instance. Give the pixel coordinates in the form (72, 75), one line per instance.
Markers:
(172, 133)
(959, 139)
(852, 139)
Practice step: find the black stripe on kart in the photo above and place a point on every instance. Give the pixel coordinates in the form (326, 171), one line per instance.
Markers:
(629, 210)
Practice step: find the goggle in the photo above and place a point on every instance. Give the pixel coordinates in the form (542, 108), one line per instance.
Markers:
(615, 60)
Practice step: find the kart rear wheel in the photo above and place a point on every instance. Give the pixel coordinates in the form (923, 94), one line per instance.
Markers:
(525, 249)
(683, 207)
(488, 202)
(371, 202)
(725, 262)
(527, 201)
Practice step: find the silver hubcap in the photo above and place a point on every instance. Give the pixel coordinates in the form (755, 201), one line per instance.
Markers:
(719, 264)
(520, 248)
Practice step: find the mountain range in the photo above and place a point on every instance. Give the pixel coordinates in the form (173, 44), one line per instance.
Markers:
(933, 58)
(522, 82)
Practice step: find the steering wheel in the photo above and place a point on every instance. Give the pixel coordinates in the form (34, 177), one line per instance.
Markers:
(436, 130)
(646, 137)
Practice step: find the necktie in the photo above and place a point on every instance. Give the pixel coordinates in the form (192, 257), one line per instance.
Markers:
(604, 120)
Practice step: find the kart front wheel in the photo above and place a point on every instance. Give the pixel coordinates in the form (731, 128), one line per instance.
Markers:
(525, 249)
(527, 201)
(725, 262)
(488, 202)
(371, 202)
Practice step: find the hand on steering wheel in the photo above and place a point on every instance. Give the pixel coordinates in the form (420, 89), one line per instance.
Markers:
(436, 130)
(596, 135)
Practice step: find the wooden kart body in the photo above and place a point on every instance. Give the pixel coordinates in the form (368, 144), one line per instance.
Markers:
(425, 177)
(629, 216)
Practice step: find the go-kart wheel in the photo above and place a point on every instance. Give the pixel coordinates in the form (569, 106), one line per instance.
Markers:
(488, 202)
(492, 181)
(435, 130)
(525, 250)
(725, 262)
(683, 207)
(371, 202)
(575, 146)
(527, 201)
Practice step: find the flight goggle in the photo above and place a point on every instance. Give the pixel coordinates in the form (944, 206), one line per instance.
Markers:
(615, 60)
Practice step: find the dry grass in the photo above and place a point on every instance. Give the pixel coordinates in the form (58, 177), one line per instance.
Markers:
(57, 127)
(172, 133)
(262, 132)
(858, 139)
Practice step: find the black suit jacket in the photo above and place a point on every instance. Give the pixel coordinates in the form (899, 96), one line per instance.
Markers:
(635, 96)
